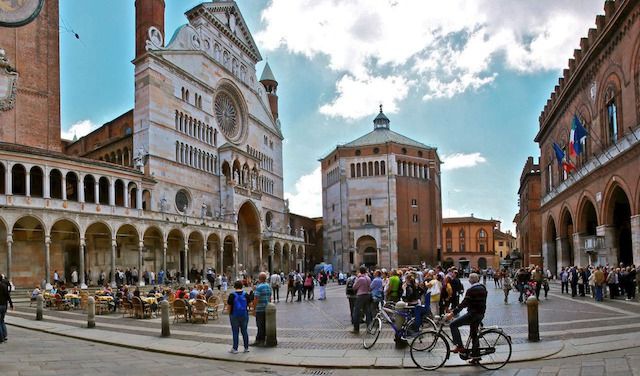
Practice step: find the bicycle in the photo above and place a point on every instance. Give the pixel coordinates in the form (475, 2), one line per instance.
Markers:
(430, 349)
(407, 330)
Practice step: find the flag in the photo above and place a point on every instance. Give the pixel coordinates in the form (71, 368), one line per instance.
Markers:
(562, 158)
(578, 133)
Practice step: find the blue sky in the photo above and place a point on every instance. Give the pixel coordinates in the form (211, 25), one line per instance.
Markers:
(467, 76)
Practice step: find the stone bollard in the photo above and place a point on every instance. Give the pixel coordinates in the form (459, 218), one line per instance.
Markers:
(91, 312)
(532, 317)
(164, 314)
(399, 320)
(270, 326)
(39, 307)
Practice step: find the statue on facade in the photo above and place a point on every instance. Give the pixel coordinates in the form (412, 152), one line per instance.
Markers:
(236, 177)
(286, 205)
(203, 211)
(163, 204)
(139, 158)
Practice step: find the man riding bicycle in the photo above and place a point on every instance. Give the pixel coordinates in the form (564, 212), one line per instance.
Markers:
(475, 301)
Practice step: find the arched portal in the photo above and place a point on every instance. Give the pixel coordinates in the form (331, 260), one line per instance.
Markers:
(55, 184)
(551, 258)
(368, 250)
(175, 254)
(98, 261)
(482, 263)
(153, 251)
(89, 189)
(103, 191)
(228, 262)
(213, 252)
(196, 247)
(36, 181)
(249, 238)
(18, 180)
(565, 247)
(28, 264)
(72, 186)
(65, 250)
(618, 216)
(120, 191)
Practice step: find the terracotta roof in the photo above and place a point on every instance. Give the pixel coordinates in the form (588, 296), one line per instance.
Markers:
(467, 220)
(382, 136)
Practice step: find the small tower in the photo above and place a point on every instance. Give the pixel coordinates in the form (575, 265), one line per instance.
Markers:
(148, 13)
(381, 121)
(271, 86)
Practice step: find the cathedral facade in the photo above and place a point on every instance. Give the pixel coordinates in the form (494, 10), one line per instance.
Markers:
(191, 178)
(381, 200)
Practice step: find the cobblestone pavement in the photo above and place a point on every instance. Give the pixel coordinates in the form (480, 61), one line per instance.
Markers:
(325, 324)
(34, 353)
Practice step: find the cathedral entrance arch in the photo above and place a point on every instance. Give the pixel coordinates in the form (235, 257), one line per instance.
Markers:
(618, 217)
(367, 247)
(249, 238)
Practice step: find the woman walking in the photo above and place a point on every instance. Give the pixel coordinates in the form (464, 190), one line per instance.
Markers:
(237, 307)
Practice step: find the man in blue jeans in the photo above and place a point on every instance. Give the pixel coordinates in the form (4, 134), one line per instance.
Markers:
(237, 306)
(5, 301)
(262, 295)
(475, 301)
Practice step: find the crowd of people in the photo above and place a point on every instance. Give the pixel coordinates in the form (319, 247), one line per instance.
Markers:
(612, 282)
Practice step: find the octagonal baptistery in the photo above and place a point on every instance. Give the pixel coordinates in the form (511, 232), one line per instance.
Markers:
(381, 199)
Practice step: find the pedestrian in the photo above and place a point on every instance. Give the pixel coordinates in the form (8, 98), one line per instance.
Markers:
(350, 292)
(291, 288)
(262, 295)
(322, 281)
(5, 302)
(74, 278)
(458, 289)
(237, 307)
(377, 292)
(564, 281)
(299, 283)
(506, 287)
(446, 293)
(598, 279)
(361, 286)
(573, 281)
(308, 286)
(275, 286)
(56, 278)
(394, 287)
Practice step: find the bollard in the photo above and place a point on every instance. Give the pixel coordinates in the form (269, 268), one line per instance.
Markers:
(39, 307)
(532, 316)
(270, 326)
(91, 312)
(164, 314)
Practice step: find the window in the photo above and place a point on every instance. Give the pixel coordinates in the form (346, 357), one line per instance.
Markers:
(367, 218)
(414, 202)
(501, 244)
(351, 257)
(376, 150)
(333, 207)
(358, 152)
(353, 170)
(482, 248)
(415, 244)
(549, 178)
(415, 218)
(367, 201)
(449, 242)
(404, 150)
(182, 201)
(461, 236)
(612, 121)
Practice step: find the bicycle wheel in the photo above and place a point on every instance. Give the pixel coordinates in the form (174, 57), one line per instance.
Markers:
(495, 349)
(410, 330)
(429, 350)
(372, 333)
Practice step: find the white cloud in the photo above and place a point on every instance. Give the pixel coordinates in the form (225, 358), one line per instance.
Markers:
(79, 129)
(357, 97)
(452, 213)
(440, 48)
(460, 160)
(307, 198)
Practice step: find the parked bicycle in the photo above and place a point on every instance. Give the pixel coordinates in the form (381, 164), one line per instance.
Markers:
(407, 330)
(431, 348)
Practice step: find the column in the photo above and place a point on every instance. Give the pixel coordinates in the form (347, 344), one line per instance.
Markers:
(96, 191)
(81, 188)
(83, 246)
(9, 258)
(204, 259)
(579, 255)
(27, 178)
(235, 261)
(64, 187)
(221, 264)
(549, 256)
(46, 189)
(140, 271)
(270, 261)
(260, 253)
(164, 257)
(112, 192)
(47, 258)
(126, 194)
(562, 247)
(139, 196)
(185, 266)
(304, 258)
(610, 251)
(8, 188)
(378, 263)
(635, 239)
(114, 244)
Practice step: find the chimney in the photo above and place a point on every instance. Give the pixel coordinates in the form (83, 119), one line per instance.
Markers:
(148, 13)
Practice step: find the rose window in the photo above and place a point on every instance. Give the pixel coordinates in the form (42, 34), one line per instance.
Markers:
(226, 115)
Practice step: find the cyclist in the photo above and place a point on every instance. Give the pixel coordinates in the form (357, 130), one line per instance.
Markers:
(475, 301)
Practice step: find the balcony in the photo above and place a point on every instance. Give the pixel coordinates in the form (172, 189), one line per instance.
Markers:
(630, 140)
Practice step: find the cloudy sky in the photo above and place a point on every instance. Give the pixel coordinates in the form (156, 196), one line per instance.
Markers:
(467, 76)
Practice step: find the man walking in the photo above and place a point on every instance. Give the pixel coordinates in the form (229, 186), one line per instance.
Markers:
(5, 302)
(262, 296)
(564, 281)
(275, 286)
(363, 298)
(598, 277)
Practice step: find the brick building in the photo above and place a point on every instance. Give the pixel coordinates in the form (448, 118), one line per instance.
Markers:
(469, 242)
(381, 201)
(592, 215)
(528, 221)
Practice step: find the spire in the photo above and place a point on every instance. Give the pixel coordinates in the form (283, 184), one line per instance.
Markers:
(267, 74)
(381, 121)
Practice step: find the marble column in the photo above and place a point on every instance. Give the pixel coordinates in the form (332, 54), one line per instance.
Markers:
(139, 197)
(114, 244)
(64, 187)
(81, 188)
(562, 247)
(164, 257)
(83, 246)
(27, 181)
(9, 255)
(635, 239)
(8, 187)
(185, 266)
(140, 271)
(47, 258)
(96, 191)
(126, 195)
(235, 261)
(221, 265)
(549, 255)
(46, 188)
(260, 253)
(610, 251)
(204, 258)
(112, 193)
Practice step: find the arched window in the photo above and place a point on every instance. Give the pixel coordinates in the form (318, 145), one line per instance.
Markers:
(449, 241)
(382, 168)
(611, 113)
(482, 240)
(463, 246)
(358, 172)
(415, 244)
(370, 169)
(353, 170)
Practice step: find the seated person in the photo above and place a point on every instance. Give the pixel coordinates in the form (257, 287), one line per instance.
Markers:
(35, 293)
(475, 301)
(194, 293)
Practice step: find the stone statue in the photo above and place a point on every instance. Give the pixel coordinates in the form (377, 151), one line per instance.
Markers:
(203, 211)
(163, 204)
(236, 177)
(139, 159)
(286, 204)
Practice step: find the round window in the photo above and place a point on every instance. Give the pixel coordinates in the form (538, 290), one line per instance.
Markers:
(182, 201)
(227, 115)
(376, 150)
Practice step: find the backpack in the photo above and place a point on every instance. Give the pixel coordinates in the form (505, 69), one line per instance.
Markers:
(350, 290)
(239, 305)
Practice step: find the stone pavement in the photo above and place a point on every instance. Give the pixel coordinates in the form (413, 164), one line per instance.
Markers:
(316, 333)
(33, 353)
